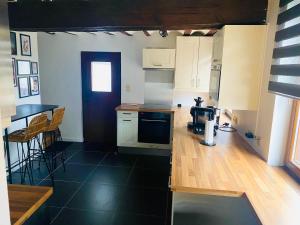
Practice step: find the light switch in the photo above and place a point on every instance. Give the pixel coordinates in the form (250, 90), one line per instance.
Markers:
(127, 88)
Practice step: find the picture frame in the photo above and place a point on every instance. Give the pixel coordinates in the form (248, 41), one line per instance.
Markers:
(13, 62)
(23, 67)
(34, 85)
(23, 87)
(25, 45)
(13, 43)
(34, 68)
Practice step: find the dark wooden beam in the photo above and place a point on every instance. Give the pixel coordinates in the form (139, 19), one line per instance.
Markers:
(130, 15)
(187, 32)
(146, 33)
(106, 32)
(126, 33)
(211, 32)
(70, 33)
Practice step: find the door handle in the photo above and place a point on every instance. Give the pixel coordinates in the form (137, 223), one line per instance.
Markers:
(127, 120)
(146, 120)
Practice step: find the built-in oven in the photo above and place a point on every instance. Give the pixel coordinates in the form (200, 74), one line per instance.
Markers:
(214, 85)
(154, 127)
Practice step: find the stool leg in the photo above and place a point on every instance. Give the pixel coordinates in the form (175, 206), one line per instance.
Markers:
(46, 162)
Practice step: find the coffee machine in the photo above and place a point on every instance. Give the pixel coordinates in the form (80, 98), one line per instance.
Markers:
(205, 121)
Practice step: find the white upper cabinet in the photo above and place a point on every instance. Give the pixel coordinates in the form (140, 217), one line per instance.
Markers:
(239, 51)
(158, 58)
(193, 62)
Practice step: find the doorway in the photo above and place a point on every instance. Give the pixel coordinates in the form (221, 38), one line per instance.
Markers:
(101, 94)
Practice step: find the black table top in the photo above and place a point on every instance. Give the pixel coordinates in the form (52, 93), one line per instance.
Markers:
(27, 110)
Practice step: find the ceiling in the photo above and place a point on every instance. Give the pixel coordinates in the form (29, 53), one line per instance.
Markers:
(133, 15)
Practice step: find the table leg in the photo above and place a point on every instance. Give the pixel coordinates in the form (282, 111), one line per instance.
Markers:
(8, 156)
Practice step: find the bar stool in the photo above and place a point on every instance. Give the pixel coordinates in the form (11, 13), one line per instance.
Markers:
(26, 136)
(52, 134)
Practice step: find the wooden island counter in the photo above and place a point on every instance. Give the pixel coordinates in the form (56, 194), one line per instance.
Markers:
(231, 168)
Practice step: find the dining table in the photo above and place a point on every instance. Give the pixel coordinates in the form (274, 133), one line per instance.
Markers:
(24, 112)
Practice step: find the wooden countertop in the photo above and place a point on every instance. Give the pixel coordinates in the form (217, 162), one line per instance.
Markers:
(25, 200)
(231, 168)
(142, 108)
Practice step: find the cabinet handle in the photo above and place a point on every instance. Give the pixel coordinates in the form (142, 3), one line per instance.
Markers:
(169, 183)
(156, 64)
(127, 120)
(126, 113)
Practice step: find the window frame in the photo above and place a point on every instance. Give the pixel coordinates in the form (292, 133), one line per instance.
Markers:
(292, 139)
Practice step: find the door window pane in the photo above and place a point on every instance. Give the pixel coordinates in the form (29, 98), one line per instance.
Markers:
(101, 76)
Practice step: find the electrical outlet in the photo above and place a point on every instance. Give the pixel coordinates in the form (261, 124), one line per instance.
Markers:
(235, 119)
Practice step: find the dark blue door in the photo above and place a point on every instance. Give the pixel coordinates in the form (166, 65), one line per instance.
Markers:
(101, 94)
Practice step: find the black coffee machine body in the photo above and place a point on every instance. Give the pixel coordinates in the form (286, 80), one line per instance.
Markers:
(200, 115)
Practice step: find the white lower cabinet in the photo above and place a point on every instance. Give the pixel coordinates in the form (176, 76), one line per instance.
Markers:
(127, 131)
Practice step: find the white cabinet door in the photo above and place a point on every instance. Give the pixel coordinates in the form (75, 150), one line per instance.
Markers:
(204, 64)
(159, 58)
(127, 132)
(186, 62)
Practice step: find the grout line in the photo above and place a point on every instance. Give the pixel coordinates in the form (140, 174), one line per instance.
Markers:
(78, 189)
(131, 171)
(57, 168)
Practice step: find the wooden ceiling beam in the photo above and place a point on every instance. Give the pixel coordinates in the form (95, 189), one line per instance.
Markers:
(187, 32)
(106, 32)
(126, 33)
(115, 15)
(146, 33)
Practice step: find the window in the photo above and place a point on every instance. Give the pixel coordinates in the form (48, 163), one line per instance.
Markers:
(293, 160)
(101, 76)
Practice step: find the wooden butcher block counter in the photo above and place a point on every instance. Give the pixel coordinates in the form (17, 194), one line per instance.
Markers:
(231, 168)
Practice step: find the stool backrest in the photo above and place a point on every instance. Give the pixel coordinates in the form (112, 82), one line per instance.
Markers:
(57, 119)
(36, 126)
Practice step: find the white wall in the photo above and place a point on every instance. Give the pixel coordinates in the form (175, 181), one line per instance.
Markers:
(60, 66)
(28, 100)
(270, 123)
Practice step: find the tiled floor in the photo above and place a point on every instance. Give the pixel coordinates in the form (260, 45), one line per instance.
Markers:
(100, 188)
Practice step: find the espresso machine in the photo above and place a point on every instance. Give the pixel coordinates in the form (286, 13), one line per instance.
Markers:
(205, 121)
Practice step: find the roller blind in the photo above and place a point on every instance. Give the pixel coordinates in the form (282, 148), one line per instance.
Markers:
(285, 70)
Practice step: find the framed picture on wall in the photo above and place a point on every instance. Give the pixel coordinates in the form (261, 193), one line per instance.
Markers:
(13, 43)
(14, 71)
(23, 87)
(34, 68)
(25, 45)
(23, 67)
(34, 85)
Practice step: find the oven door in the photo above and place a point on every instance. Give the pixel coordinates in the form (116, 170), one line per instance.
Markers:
(154, 128)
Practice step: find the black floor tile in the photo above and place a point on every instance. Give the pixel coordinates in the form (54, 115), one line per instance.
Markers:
(144, 201)
(43, 216)
(94, 196)
(110, 175)
(153, 162)
(74, 172)
(83, 217)
(135, 219)
(154, 178)
(62, 192)
(84, 157)
(121, 160)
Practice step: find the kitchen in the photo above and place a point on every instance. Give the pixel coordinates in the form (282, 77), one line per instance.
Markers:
(149, 168)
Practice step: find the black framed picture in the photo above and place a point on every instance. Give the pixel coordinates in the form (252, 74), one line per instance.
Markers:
(13, 43)
(25, 45)
(34, 85)
(23, 87)
(34, 68)
(23, 67)
(14, 71)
